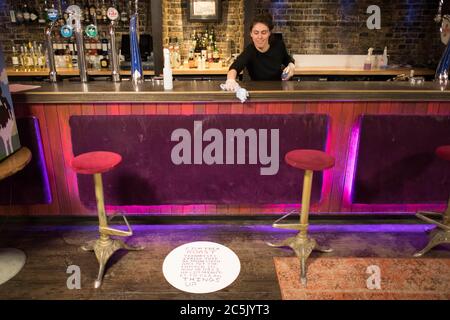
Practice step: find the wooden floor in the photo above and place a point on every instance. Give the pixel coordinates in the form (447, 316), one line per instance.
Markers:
(52, 247)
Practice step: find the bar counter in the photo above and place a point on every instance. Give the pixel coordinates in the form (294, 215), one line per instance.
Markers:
(382, 135)
(209, 91)
(219, 70)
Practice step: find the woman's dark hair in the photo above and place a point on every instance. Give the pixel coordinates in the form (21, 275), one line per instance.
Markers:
(264, 19)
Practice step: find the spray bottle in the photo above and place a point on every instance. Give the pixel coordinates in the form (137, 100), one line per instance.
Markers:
(167, 71)
(385, 58)
(368, 62)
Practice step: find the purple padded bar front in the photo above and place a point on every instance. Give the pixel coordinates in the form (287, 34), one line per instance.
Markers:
(147, 175)
(396, 160)
(30, 185)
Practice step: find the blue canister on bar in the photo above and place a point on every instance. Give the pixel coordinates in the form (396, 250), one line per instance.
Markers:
(136, 64)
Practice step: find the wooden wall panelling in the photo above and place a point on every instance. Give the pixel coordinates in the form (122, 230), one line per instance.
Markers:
(64, 113)
(337, 136)
(87, 109)
(54, 132)
(124, 108)
(101, 109)
(137, 108)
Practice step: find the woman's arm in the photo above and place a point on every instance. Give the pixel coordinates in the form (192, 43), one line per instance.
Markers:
(236, 67)
(231, 83)
(289, 62)
(232, 74)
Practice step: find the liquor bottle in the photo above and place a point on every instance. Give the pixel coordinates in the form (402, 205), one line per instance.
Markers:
(124, 14)
(15, 59)
(60, 62)
(47, 8)
(68, 57)
(27, 60)
(55, 53)
(61, 19)
(104, 10)
(42, 13)
(98, 44)
(98, 12)
(73, 48)
(41, 57)
(177, 55)
(87, 16)
(213, 35)
(26, 13)
(206, 36)
(197, 48)
(170, 47)
(104, 61)
(19, 14)
(216, 56)
(22, 58)
(12, 14)
(34, 59)
(93, 13)
(104, 43)
(65, 13)
(33, 14)
(210, 49)
(191, 61)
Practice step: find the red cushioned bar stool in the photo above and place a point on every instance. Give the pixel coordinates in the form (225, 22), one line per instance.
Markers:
(309, 161)
(96, 163)
(440, 234)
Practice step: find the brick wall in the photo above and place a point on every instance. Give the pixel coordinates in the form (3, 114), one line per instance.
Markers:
(308, 26)
(176, 24)
(339, 27)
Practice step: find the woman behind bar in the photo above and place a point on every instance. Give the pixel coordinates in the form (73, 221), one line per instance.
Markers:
(265, 59)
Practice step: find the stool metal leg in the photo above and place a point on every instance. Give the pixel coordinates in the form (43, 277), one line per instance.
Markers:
(440, 234)
(301, 243)
(104, 247)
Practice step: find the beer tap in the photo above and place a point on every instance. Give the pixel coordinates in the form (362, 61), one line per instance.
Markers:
(52, 16)
(438, 17)
(74, 20)
(442, 70)
(136, 63)
(113, 14)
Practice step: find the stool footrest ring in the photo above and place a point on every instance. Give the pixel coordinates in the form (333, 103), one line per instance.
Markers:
(421, 216)
(116, 232)
(291, 226)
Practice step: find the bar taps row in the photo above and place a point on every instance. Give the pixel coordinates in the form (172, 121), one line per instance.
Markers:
(74, 27)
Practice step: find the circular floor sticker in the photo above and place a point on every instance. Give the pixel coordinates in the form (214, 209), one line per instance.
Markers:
(201, 267)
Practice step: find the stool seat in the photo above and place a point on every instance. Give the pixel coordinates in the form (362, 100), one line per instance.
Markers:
(443, 152)
(95, 162)
(305, 159)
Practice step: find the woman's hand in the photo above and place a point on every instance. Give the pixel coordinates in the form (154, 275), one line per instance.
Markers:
(288, 71)
(231, 85)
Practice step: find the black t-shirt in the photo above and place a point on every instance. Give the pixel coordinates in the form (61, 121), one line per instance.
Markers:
(263, 66)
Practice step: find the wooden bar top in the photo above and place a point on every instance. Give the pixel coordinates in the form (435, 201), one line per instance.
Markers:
(216, 69)
(209, 91)
(68, 72)
(361, 72)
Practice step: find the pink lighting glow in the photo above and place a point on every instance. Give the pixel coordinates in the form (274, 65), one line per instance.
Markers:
(351, 164)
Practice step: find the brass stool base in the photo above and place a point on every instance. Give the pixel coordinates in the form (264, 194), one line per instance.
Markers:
(439, 235)
(302, 246)
(104, 248)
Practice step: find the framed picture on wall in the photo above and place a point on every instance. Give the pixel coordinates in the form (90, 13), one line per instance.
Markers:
(204, 10)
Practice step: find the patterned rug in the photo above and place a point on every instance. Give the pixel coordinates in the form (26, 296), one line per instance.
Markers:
(365, 278)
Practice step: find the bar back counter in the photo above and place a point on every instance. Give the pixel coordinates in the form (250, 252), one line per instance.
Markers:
(196, 150)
